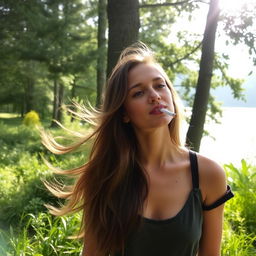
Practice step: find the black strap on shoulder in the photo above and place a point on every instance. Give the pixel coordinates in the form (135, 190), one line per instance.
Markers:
(194, 169)
(220, 201)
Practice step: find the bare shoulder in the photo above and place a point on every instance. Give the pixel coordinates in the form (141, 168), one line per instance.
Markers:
(212, 179)
(210, 170)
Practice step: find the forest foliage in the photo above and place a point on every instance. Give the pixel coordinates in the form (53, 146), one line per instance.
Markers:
(51, 46)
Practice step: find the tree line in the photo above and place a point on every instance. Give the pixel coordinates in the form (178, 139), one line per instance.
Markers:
(53, 51)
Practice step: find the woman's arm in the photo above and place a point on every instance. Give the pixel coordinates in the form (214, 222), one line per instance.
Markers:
(210, 242)
(213, 186)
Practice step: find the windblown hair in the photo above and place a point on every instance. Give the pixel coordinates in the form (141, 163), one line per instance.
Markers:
(112, 186)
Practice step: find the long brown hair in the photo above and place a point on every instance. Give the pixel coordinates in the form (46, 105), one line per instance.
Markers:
(112, 186)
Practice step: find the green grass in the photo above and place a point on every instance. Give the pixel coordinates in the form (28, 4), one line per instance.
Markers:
(8, 115)
(239, 236)
(237, 243)
(242, 208)
(43, 235)
(22, 193)
(22, 170)
(10, 120)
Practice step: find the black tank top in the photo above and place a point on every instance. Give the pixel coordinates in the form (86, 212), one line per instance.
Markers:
(177, 236)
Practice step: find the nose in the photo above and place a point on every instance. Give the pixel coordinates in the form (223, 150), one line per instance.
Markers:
(154, 96)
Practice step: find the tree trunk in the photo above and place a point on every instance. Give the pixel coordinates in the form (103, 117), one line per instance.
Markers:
(124, 23)
(102, 49)
(73, 95)
(196, 127)
(55, 101)
(29, 95)
(22, 110)
(60, 101)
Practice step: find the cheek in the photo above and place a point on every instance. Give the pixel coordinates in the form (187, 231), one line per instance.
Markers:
(134, 111)
(170, 99)
(130, 109)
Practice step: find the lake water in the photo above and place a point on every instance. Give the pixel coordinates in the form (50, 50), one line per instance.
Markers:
(235, 137)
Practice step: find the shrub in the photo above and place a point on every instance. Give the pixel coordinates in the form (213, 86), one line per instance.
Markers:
(22, 192)
(239, 236)
(22, 171)
(31, 118)
(240, 211)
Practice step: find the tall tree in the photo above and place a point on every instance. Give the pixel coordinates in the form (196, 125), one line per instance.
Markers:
(52, 35)
(196, 126)
(124, 23)
(102, 49)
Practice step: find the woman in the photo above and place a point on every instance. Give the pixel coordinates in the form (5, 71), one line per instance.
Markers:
(141, 191)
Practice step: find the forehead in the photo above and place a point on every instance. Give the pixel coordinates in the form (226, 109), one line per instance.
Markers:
(144, 73)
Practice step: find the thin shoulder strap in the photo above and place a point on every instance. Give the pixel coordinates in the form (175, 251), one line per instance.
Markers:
(194, 168)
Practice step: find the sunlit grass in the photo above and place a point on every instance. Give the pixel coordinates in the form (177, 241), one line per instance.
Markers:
(8, 115)
(42, 235)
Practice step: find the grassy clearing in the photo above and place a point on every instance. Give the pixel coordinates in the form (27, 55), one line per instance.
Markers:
(22, 171)
(8, 115)
(27, 229)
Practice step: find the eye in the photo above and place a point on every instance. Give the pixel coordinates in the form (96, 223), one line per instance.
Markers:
(137, 94)
(160, 86)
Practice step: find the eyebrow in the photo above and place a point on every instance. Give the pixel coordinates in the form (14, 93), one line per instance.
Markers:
(139, 84)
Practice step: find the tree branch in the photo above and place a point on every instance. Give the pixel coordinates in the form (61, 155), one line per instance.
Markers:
(170, 4)
(164, 4)
(186, 56)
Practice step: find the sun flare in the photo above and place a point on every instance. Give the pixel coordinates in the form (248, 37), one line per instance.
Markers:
(235, 5)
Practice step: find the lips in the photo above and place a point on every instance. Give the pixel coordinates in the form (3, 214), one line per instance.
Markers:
(156, 110)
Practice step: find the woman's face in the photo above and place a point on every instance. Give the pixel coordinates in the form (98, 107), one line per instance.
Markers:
(147, 94)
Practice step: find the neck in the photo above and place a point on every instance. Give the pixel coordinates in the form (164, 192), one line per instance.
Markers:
(156, 147)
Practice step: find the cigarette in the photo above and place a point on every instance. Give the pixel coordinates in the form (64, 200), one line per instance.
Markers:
(168, 112)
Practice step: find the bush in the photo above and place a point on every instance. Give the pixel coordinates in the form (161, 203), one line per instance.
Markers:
(22, 171)
(239, 236)
(31, 119)
(28, 197)
(242, 208)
